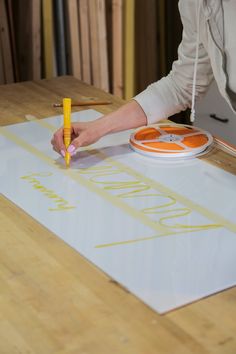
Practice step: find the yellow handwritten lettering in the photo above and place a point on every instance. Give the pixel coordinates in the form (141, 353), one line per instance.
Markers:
(166, 211)
(61, 203)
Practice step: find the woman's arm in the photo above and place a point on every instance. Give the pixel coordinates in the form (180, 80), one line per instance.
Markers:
(173, 93)
(161, 99)
(129, 116)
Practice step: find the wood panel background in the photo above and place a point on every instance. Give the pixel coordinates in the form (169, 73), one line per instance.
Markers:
(120, 46)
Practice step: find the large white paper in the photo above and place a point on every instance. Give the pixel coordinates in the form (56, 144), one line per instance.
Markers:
(165, 231)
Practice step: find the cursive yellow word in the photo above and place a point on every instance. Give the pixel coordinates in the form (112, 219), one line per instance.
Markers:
(61, 203)
(162, 208)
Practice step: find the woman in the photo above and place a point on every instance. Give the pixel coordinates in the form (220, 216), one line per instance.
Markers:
(207, 50)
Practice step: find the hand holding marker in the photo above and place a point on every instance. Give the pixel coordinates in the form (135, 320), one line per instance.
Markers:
(67, 128)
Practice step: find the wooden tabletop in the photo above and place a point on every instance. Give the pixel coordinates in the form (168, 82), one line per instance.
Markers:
(52, 300)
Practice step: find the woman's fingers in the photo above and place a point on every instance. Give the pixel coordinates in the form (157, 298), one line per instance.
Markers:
(82, 134)
(58, 143)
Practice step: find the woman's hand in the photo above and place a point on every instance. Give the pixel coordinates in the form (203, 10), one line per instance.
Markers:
(82, 134)
(128, 116)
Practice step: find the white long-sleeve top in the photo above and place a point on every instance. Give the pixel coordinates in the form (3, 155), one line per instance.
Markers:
(216, 58)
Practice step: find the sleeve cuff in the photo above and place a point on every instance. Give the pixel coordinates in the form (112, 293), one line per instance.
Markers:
(159, 101)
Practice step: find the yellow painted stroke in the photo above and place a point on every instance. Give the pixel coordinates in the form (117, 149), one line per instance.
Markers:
(167, 191)
(221, 221)
(123, 168)
(140, 239)
(78, 178)
(157, 209)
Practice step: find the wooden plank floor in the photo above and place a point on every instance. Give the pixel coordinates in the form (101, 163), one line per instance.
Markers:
(52, 300)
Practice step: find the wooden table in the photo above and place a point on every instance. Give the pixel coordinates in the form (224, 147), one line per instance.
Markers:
(54, 301)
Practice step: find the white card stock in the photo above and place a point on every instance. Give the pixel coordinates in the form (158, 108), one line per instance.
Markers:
(165, 231)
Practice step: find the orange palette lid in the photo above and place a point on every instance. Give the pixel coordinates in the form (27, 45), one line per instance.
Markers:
(171, 140)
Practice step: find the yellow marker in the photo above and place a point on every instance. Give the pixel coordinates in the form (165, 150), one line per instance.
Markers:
(67, 127)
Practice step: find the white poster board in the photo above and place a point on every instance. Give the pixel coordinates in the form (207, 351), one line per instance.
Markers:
(165, 231)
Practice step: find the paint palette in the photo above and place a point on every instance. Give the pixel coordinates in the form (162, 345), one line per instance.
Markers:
(171, 141)
(165, 231)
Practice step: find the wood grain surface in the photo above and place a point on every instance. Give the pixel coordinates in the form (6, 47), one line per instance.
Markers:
(117, 47)
(6, 51)
(74, 38)
(52, 300)
(48, 37)
(85, 41)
